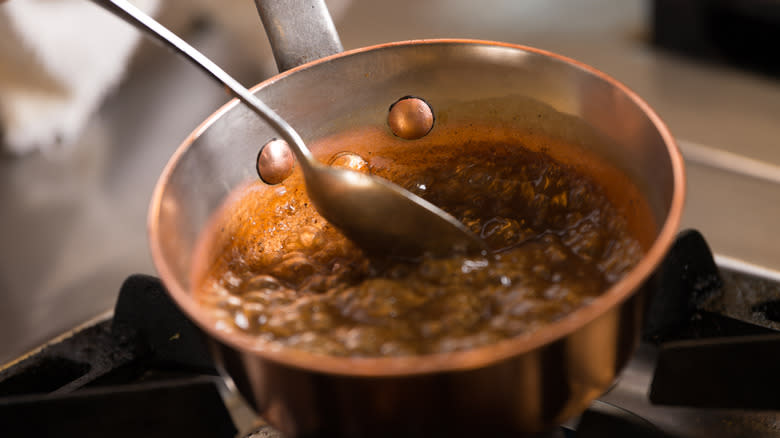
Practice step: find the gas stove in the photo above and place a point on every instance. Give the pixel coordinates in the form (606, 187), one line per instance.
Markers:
(706, 367)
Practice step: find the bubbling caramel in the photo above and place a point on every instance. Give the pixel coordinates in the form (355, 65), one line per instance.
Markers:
(278, 271)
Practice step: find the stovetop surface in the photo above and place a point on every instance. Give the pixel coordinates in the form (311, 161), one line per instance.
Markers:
(706, 367)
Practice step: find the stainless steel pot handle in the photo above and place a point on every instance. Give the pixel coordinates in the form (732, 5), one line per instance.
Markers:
(299, 31)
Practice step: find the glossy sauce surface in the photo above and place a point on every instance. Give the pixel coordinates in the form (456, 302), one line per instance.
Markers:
(277, 270)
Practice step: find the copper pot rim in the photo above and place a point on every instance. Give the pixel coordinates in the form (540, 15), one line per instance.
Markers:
(440, 362)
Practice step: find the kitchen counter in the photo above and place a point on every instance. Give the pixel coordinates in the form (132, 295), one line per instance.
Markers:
(73, 225)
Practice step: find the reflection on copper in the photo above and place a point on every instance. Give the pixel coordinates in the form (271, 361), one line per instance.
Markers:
(533, 380)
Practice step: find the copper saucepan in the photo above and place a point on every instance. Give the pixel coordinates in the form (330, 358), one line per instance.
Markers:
(478, 90)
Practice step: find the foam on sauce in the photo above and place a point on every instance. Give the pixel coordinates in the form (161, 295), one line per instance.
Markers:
(277, 270)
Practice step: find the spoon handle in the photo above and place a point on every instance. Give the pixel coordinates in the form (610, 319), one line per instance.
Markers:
(149, 26)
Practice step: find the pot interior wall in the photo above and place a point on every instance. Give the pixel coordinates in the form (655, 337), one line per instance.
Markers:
(476, 90)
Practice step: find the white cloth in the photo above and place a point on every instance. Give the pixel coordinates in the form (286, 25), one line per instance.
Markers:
(58, 59)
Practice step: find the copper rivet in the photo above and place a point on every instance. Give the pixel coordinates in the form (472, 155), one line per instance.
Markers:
(410, 118)
(275, 162)
(350, 160)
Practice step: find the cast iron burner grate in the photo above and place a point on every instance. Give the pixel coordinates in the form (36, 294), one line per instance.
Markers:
(147, 371)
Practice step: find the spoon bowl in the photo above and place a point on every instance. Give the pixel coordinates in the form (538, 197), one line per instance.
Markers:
(383, 218)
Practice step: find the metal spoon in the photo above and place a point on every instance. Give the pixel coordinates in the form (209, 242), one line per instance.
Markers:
(378, 216)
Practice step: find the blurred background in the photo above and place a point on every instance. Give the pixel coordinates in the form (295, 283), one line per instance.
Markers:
(73, 218)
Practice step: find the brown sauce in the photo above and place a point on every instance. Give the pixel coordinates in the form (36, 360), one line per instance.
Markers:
(278, 271)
